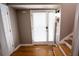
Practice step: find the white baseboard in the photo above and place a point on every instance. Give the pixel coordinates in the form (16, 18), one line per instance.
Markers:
(43, 43)
(26, 44)
(15, 49)
(20, 46)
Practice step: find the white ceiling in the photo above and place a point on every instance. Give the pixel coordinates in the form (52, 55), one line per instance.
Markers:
(35, 6)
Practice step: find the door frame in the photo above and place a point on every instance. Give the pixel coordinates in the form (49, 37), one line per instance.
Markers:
(31, 11)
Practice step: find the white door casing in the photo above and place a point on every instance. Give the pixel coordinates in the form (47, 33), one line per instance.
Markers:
(50, 23)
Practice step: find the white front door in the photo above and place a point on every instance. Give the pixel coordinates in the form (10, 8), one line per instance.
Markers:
(43, 25)
(39, 23)
(51, 26)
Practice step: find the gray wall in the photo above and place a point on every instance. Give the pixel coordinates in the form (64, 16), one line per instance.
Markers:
(14, 26)
(67, 22)
(67, 19)
(24, 25)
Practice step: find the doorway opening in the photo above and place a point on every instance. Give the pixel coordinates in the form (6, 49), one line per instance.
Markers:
(45, 26)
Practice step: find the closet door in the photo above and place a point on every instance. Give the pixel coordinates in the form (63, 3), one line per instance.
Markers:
(7, 27)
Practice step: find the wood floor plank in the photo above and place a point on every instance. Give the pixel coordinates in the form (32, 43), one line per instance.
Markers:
(57, 51)
(34, 51)
(46, 50)
(67, 50)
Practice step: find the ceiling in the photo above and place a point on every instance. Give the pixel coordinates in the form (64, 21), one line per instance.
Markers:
(34, 6)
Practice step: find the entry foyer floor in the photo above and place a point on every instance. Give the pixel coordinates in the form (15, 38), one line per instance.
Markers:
(39, 50)
(42, 50)
(60, 49)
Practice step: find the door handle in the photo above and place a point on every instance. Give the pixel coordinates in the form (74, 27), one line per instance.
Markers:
(46, 27)
(10, 30)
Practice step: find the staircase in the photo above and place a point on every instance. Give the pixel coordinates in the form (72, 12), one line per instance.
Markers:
(64, 48)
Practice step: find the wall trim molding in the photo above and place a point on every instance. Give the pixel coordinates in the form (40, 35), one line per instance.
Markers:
(15, 49)
(26, 44)
(20, 46)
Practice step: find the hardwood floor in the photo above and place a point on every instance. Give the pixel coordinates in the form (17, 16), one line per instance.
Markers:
(57, 51)
(67, 51)
(61, 49)
(42, 50)
(34, 51)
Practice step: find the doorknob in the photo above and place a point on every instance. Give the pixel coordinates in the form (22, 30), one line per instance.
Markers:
(10, 30)
(46, 27)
